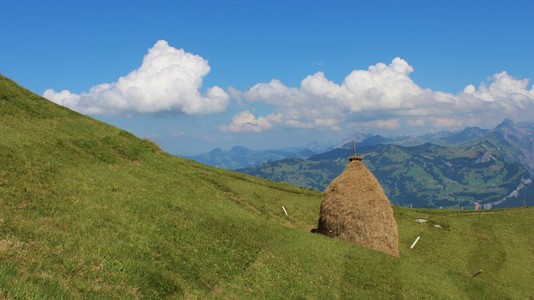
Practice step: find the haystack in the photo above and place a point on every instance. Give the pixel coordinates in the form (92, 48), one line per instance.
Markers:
(355, 208)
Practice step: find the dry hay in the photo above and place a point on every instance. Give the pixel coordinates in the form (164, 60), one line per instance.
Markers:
(355, 208)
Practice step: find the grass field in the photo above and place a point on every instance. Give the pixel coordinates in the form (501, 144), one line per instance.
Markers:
(90, 211)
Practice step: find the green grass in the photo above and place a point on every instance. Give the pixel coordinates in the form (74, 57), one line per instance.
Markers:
(90, 211)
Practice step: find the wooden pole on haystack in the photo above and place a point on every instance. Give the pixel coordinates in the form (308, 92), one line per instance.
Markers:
(354, 156)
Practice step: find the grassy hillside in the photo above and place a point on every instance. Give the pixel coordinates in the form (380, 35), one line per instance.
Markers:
(90, 211)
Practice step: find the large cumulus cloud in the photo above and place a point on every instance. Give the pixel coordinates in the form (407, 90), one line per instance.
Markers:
(384, 96)
(169, 80)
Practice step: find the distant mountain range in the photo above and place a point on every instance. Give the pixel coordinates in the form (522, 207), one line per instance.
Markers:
(443, 138)
(240, 157)
(492, 167)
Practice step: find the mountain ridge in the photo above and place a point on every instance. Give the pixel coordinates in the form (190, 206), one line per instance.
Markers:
(241, 157)
(486, 168)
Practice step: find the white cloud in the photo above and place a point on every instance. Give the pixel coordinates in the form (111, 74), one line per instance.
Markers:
(169, 80)
(177, 134)
(416, 122)
(386, 124)
(384, 96)
(247, 122)
(508, 92)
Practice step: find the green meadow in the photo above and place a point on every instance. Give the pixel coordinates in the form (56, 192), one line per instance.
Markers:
(90, 211)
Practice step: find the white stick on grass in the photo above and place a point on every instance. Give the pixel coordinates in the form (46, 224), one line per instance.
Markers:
(415, 242)
(285, 211)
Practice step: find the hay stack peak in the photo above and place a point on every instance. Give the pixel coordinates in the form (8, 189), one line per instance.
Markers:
(355, 208)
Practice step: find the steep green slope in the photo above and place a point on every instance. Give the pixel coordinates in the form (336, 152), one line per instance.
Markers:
(90, 211)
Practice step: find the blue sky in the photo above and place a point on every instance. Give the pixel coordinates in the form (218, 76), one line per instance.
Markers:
(195, 75)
